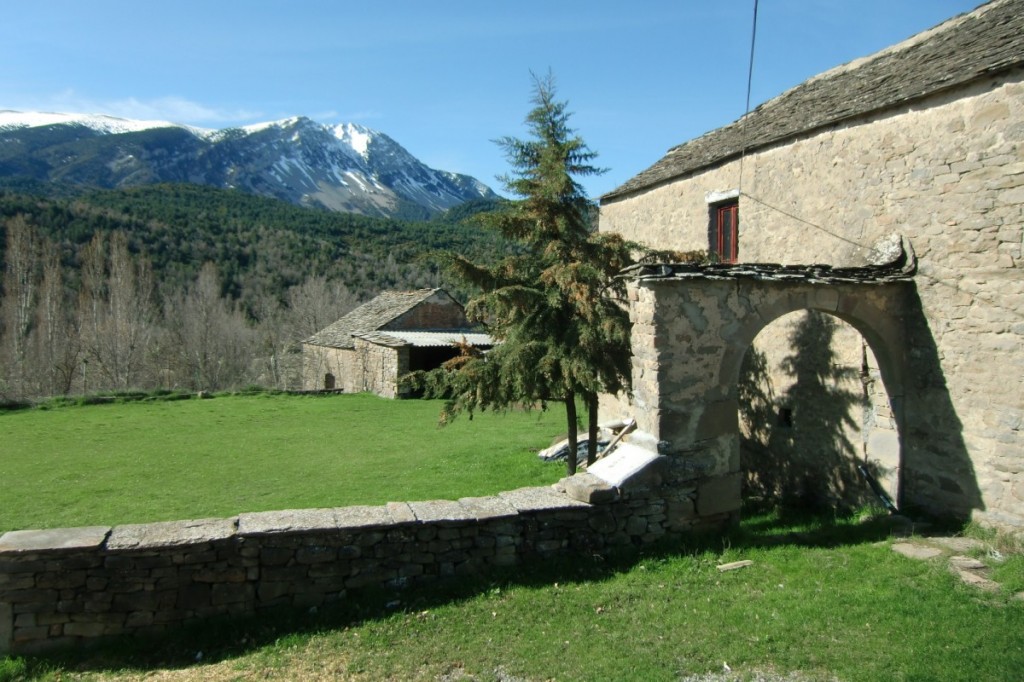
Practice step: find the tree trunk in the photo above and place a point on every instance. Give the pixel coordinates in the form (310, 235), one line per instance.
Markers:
(591, 428)
(570, 417)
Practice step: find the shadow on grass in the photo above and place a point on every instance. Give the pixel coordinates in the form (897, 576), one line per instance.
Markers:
(225, 638)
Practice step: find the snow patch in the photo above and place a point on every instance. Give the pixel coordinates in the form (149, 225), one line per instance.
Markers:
(99, 122)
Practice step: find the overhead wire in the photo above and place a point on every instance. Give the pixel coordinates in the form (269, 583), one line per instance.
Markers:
(810, 223)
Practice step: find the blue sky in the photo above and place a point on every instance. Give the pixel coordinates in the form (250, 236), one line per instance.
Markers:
(443, 78)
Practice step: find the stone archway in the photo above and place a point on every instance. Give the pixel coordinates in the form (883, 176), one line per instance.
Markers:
(692, 326)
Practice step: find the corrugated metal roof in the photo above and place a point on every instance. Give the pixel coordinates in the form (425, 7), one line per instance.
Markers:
(427, 339)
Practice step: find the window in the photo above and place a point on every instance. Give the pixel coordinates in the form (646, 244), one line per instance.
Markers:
(723, 231)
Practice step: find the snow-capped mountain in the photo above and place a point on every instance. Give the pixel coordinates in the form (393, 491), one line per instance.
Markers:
(343, 167)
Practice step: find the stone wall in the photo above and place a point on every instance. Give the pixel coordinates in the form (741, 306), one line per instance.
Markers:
(71, 586)
(367, 367)
(948, 174)
(380, 366)
(341, 363)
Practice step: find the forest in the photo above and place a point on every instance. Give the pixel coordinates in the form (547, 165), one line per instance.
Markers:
(183, 287)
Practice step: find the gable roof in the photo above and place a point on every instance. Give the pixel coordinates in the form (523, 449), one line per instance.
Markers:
(981, 43)
(370, 316)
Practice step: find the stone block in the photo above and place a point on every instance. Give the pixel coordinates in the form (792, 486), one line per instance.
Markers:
(84, 629)
(527, 500)
(286, 521)
(400, 512)
(719, 495)
(56, 539)
(440, 511)
(631, 467)
(170, 534)
(589, 488)
(362, 517)
(487, 508)
(316, 555)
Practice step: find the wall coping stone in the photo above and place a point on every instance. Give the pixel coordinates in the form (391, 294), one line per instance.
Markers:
(486, 508)
(526, 500)
(170, 533)
(629, 464)
(53, 539)
(586, 487)
(401, 512)
(363, 516)
(435, 511)
(286, 521)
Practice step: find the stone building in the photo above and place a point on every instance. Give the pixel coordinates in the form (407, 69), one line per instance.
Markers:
(397, 332)
(919, 381)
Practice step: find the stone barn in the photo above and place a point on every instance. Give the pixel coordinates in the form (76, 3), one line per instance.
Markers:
(819, 382)
(397, 332)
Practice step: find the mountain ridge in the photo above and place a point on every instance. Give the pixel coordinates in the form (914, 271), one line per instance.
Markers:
(342, 167)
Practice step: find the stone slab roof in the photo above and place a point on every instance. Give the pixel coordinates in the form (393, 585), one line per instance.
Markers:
(982, 43)
(900, 268)
(369, 317)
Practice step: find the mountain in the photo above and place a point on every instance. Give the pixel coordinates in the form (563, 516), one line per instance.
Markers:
(344, 167)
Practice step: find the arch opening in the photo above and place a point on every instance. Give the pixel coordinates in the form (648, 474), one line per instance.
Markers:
(817, 426)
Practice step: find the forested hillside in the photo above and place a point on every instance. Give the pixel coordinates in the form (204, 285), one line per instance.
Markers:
(182, 286)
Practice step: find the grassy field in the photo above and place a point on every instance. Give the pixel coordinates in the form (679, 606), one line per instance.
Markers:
(824, 599)
(832, 602)
(156, 461)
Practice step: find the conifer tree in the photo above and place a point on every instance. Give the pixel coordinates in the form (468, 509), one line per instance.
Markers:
(560, 335)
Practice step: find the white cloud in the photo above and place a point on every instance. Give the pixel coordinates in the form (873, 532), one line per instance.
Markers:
(170, 108)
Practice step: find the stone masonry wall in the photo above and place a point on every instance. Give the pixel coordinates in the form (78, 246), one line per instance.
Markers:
(948, 174)
(70, 586)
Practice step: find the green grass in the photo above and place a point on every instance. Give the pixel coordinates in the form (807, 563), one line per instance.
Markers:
(831, 601)
(139, 462)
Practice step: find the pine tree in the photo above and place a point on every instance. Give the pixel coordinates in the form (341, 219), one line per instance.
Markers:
(560, 334)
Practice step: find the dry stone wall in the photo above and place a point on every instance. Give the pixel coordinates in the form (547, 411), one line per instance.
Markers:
(70, 586)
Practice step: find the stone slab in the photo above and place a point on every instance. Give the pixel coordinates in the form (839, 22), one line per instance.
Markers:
(967, 563)
(401, 512)
(589, 488)
(628, 465)
(539, 499)
(362, 516)
(54, 539)
(975, 580)
(914, 551)
(719, 495)
(440, 511)
(170, 533)
(487, 508)
(958, 544)
(286, 521)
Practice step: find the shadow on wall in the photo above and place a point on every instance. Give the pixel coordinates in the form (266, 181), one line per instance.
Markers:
(939, 476)
(796, 447)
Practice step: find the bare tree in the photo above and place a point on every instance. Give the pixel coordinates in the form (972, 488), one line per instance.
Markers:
(57, 344)
(214, 343)
(116, 311)
(20, 282)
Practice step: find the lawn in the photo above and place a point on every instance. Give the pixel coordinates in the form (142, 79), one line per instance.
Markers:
(830, 602)
(139, 462)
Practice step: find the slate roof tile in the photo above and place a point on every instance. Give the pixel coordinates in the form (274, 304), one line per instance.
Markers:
(982, 43)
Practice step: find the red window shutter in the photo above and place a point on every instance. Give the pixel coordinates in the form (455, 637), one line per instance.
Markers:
(726, 233)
